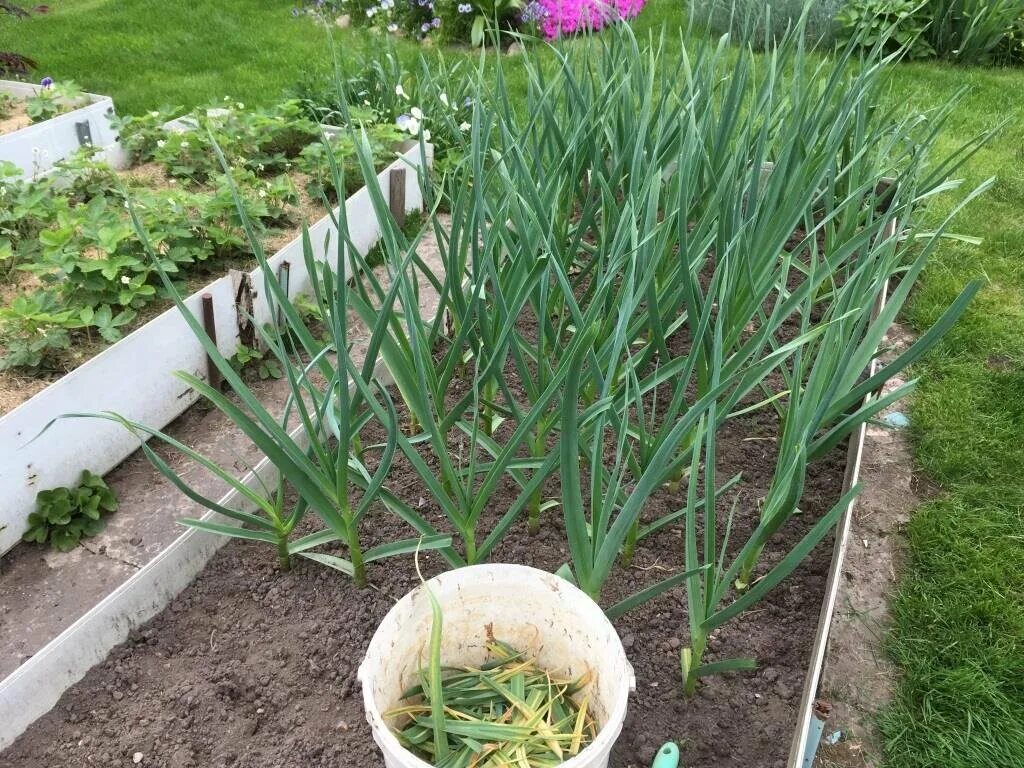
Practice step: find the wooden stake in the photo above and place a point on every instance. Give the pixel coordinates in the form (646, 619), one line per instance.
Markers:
(284, 279)
(396, 195)
(210, 325)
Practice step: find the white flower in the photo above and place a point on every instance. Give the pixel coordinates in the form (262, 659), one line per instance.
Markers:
(154, 114)
(444, 98)
(399, 91)
(416, 112)
(426, 135)
(370, 12)
(240, 105)
(392, 27)
(172, 181)
(263, 193)
(125, 280)
(3, 190)
(465, 127)
(184, 145)
(160, 144)
(126, 205)
(412, 125)
(259, 167)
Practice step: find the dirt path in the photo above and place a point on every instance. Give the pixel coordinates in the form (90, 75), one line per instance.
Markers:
(858, 677)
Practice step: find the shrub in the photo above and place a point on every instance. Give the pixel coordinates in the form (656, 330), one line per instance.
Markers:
(968, 31)
(893, 24)
(766, 22)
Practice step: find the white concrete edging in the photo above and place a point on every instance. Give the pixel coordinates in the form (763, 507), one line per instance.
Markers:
(134, 377)
(36, 148)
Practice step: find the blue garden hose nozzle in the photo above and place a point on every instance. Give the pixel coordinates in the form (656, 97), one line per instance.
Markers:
(668, 757)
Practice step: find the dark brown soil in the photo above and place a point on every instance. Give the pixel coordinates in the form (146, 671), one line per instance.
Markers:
(251, 667)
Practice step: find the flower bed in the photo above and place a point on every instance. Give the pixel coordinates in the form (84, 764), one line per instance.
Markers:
(456, 21)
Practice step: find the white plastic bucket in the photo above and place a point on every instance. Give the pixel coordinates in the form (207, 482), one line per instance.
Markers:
(539, 613)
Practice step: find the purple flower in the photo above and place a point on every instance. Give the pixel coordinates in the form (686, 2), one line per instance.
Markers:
(401, 121)
(425, 27)
(533, 11)
(295, 12)
(46, 82)
(465, 8)
(435, 22)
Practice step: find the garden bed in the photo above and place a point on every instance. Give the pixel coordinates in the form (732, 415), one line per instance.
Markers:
(607, 347)
(42, 126)
(285, 648)
(113, 378)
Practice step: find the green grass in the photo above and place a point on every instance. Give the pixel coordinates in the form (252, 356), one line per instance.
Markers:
(958, 631)
(147, 55)
(959, 612)
(960, 635)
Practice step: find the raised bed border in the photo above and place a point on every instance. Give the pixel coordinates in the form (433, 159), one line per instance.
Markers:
(36, 148)
(115, 380)
(35, 687)
(804, 745)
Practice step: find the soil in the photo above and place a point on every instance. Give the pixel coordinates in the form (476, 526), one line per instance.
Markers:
(254, 667)
(858, 677)
(15, 119)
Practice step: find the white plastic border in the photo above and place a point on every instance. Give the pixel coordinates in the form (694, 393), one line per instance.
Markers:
(36, 148)
(134, 377)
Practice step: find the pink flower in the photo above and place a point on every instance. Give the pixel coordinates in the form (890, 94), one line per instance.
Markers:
(565, 17)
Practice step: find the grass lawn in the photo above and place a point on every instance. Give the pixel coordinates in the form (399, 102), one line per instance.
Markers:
(959, 612)
(147, 55)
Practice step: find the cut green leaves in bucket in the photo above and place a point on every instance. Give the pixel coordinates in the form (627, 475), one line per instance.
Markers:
(509, 711)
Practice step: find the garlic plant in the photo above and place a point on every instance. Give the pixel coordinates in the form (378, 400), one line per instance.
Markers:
(648, 248)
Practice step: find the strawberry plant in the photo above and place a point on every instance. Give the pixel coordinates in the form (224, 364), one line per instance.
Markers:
(72, 230)
(34, 328)
(64, 516)
(53, 99)
(249, 359)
